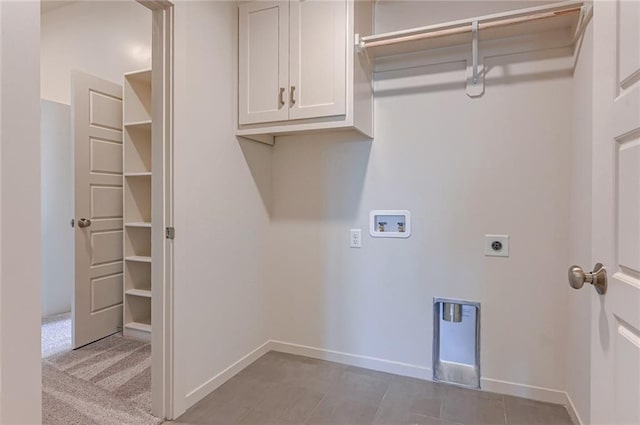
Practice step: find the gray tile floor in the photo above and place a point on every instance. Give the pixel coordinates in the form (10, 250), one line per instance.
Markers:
(286, 389)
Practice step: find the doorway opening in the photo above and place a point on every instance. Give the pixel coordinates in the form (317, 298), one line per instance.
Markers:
(107, 202)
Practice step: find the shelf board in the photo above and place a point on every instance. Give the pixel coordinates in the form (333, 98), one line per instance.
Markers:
(138, 326)
(140, 174)
(142, 76)
(139, 293)
(557, 16)
(142, 124)
(138, 258)
(138, 224)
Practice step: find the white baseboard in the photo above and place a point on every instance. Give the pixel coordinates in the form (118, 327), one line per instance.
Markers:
(421, 372)
(404, 369)
(526, 391)
(381, 365)
(573, 412)
(208, 387)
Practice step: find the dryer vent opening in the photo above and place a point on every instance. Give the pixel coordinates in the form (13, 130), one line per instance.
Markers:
(456, 342)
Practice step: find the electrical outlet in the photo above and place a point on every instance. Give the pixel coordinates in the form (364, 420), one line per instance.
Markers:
(496, 245)
(355, 238)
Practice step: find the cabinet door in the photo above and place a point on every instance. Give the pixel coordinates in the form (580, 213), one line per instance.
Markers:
(318, 68)
(263, 62)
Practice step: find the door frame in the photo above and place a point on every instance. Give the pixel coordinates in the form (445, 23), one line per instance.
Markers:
(162, 338)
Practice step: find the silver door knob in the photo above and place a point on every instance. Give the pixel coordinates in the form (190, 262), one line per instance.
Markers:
(84, 222)
(598, 278)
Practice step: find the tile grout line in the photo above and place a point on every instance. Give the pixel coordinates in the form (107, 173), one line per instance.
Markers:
(504, 409)
(375, 416)
(306, 419)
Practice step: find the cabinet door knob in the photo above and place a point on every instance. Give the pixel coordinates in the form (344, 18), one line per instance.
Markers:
(292, 99)
(281, 97)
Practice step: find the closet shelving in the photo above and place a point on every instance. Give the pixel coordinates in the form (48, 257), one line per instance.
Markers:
(137, 204)
(567, 15)
(524, 30)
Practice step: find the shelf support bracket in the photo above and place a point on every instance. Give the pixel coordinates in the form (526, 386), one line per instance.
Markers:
(475, 81)
(583, 19)
(474, 51)
(359, 44)
(362, 51)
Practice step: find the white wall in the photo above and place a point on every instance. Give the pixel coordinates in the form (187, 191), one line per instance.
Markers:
(579, 302)
(103, 38)
(464, 168)
(221, 206)
(20, 393)
(57, 208)
(395, 15)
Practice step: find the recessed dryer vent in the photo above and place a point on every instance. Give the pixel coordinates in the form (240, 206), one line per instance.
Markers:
(456, 342)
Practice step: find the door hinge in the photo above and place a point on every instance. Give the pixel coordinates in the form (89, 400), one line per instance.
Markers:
(171, 233)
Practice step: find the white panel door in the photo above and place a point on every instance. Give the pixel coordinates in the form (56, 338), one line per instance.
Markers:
(263, 62)
(615, 323)
(318, 68)
(96, 111)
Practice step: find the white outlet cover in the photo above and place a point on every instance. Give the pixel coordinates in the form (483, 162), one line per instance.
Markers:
(496, 245)
(355, 238)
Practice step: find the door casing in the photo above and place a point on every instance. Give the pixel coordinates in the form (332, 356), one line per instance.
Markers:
(162, 379)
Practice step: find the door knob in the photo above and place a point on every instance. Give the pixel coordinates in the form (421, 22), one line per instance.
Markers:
(84, 222)
(598, 278)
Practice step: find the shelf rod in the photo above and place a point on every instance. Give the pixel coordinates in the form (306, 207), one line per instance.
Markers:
(468, 28)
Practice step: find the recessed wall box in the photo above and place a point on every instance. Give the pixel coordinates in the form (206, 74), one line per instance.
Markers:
(456, 342)
(390, 223)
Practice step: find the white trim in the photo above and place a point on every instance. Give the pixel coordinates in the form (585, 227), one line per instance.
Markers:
(162, 338)
(374, 363)
(208, 387)
(532, 392)
(421, 372)
(573, 412)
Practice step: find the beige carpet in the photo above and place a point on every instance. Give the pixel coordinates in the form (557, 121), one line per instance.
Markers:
(56, 334)
(107, 382)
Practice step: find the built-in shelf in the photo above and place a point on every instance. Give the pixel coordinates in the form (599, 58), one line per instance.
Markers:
(141, 124)
(139, 293)
(138, 174)
(137, 198)
(137, 163)
(138, 258)
(518, 23)
(138, 224)
(138, 326)
(137, 93)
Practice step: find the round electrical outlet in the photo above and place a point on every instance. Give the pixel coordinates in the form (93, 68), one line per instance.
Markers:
(496, 245)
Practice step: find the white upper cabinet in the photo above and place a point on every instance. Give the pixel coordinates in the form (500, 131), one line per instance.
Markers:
(263, 62)
(298, 70)
(317, 67)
